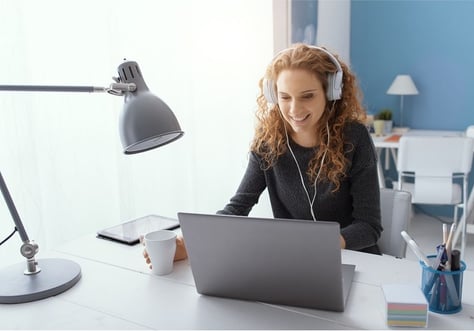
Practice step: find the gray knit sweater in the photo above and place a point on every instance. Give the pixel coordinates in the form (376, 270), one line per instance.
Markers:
(355, 206)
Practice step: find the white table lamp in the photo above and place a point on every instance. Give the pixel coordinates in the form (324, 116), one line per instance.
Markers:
(402, 85)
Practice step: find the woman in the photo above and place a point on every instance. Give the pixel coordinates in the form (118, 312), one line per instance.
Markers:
(311, 150)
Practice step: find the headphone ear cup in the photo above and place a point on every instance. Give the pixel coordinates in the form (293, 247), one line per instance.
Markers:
(334, 86)
(269, 91)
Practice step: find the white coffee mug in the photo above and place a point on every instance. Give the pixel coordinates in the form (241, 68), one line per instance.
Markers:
(161, 247)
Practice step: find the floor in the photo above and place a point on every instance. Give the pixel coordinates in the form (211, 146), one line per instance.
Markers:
(426, 230)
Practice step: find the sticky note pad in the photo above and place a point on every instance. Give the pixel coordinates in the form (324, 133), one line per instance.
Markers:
(406, 305)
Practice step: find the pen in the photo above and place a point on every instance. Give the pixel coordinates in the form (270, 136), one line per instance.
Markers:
(450, 236)
(445, 233)
(415, 248)
(438, 261)
(432, 291)
(433, 281)
(449, 244)
(455, 260)
(452, 281)
(442, 293)
(452, 289)
(455, 266)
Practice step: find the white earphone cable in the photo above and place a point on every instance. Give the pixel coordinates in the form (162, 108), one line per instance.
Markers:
(311, 201)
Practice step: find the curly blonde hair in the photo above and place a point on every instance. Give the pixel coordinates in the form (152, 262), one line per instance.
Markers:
(270, 141)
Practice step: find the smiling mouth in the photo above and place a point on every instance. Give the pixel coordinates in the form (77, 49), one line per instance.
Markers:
(299, 119)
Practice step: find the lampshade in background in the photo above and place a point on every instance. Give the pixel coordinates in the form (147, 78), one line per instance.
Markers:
(146, 122)
(402, 85)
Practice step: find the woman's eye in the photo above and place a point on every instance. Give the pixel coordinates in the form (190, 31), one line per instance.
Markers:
(308, 96)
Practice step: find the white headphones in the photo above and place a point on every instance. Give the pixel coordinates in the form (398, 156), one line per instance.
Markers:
(334, 89)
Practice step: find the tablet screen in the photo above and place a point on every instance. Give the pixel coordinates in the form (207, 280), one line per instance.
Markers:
(129, 232)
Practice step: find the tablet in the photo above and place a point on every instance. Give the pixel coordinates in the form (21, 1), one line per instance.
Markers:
(129, 232)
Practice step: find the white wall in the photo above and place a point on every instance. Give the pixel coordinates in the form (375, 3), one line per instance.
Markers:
(334, 26)
(60, 153)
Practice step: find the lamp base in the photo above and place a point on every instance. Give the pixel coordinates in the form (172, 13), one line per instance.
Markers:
(56, 276)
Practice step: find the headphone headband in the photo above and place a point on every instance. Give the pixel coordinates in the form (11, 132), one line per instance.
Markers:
(334, 89)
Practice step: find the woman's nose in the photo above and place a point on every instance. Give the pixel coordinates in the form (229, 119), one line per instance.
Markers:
(294, 106)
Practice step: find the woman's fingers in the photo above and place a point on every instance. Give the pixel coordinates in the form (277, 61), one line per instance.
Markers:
(147, 258)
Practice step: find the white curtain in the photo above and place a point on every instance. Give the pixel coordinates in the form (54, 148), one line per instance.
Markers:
(60, 153)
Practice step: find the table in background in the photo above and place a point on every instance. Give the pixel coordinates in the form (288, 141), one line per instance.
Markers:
(118, 291)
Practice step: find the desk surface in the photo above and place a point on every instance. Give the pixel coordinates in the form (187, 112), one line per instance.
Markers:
(118, 291)
(387, 141)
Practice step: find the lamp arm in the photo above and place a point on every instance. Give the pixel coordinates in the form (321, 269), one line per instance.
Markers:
(11, 206)
(29, 248)
(51, 88)
(114, 88)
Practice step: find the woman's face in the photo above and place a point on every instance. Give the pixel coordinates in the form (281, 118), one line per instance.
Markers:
(302, 101)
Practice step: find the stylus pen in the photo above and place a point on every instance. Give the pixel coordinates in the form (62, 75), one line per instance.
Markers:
(415, 248)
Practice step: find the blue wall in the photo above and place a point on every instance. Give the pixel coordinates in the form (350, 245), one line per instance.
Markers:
(433, 41)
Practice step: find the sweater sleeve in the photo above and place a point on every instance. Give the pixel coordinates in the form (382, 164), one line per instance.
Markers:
(251, 187)
(366, 227)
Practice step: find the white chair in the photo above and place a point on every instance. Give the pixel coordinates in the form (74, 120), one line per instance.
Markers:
(435, 170)
(470, 202)
(470, 131)
(395, 207)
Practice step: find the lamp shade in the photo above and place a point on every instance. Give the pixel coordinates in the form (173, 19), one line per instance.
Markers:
(402, 85)
(146, 121)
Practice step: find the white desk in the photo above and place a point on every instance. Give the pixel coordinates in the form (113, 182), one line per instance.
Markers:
(118, 291)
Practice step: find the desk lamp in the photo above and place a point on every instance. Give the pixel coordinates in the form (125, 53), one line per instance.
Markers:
(146, 122)
(402, 85)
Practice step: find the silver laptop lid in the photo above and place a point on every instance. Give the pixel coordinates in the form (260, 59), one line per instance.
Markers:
(288, 262)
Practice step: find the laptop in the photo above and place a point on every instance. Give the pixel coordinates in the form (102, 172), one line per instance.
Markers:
(278, 261)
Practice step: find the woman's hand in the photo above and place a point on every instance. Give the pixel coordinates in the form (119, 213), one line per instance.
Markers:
(343, 242)
(180, 254)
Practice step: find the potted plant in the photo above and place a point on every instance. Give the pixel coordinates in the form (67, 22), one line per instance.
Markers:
(385, 115)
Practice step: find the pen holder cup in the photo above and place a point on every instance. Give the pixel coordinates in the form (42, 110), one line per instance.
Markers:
(442, 289)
